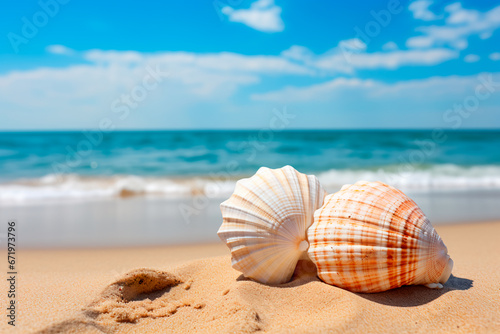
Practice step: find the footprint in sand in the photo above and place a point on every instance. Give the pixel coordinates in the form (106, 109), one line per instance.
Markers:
(139, 294)
(142, 293)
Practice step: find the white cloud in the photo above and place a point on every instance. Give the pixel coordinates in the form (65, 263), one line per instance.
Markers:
(115, 57)
(453, 7)
(485, 35)
(344, 102)
(59, 50)
(396, 59)
(353, 45)
(223, 62)
(389, 46)
(458, 15)
(319, 92)
(495, 56)
(420, 42)
(471, 58)
(459, 44)
(80, 95)
(459, 25)
(114, 71)
(350, 55)
(263, 15)
(297, 52)
(88, 88)
(420, 10)
(429, 90)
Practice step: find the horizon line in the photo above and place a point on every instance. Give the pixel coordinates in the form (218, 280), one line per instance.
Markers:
(247, 129)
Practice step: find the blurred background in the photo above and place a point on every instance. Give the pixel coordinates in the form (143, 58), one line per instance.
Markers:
(127, 123)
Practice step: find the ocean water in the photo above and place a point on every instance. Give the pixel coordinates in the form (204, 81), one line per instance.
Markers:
(39, 166)
(77, 189)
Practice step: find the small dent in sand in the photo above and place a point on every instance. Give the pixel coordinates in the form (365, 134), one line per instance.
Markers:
(141, 293)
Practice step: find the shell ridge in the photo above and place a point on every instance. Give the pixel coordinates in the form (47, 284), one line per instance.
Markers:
(379, 207)
(390, 213)
(277, 214)
(390, 192)
(277, 260)
(232, 216)
(293, 229)
(370, 237)
(284, 195)
(374, 221)
(266, 219)
(244, 220)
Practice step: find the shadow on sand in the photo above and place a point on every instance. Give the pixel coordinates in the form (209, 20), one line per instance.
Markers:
(407, 296)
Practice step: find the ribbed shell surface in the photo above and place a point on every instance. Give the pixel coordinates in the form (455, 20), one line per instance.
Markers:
(370, 237)
(265, 222)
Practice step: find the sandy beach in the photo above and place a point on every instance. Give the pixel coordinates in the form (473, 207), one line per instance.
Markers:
(193, 288)
(250, 166)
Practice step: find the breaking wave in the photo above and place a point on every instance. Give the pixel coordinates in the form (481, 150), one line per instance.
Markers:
(444, 177)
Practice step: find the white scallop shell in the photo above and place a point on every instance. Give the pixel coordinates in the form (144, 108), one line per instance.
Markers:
(370, 237)
(265, 222)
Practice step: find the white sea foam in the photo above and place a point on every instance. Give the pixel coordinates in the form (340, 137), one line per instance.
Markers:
(75, 187)
(444, 177)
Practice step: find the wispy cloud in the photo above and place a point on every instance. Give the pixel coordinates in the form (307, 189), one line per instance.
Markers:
(495, 56)
(459, 24)
(420, 10)
(319, 92)
(82, 94)
(221, 62)
(413, 91)
(411, 103)
(389, 46)
(342, 59)
(59, 50)
(471, 58)
(78, 95)
(263, 15)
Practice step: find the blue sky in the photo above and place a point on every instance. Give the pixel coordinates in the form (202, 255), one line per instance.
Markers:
(231, 64)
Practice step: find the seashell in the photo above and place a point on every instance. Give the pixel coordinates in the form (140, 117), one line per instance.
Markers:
(370, 237)
(265, 222)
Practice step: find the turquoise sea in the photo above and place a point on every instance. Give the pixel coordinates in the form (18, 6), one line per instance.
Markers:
(39, 165)
(84, 189)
